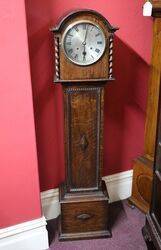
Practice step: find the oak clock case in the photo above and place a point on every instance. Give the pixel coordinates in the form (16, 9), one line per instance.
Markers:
(83, 65)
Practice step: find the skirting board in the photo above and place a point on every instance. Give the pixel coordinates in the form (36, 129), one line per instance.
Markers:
(30, 235)
(118, 186)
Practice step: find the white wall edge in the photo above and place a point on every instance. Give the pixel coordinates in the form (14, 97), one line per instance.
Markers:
(30, 235)
(118, 186)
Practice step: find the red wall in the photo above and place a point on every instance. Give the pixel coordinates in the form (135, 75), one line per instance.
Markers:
(125, 99)
(19, 186)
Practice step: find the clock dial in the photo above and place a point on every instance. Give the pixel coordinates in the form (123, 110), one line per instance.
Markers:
(84, 43)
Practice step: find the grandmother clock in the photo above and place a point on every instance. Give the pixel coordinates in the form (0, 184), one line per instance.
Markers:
(83, 65)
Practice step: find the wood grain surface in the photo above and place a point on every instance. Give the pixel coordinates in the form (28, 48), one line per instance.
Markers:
(83, 133)
(65, 70)
(153, 92)
(97, 217)
(152, 228)
(141, 197)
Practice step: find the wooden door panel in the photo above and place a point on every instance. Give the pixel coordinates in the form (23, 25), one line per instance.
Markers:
(84, 216)
(84, 129)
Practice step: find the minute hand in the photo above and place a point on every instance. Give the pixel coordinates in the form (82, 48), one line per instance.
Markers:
(84, 42)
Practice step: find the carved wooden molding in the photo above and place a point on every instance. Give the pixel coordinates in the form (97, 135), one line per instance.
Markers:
(84, 143)
(84, 217)
(57, 68)
(71, 90)
(82, 11)
(110, 56)
(156, 11)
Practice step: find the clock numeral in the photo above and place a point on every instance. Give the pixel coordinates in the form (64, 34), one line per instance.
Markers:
(97, 50)
(98, 34)
(76, 28)
(70, 35)
(99, 42)
(68, 43)
(92, 57)
(84, 26)
(76, 56)
(92, 28)
(70, 51)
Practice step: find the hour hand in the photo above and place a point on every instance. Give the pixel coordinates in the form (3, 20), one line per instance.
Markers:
(84, 57)
(84, 54)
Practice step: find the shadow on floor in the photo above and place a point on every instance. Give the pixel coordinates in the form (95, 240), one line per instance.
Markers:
(116, 210)
(52, 228)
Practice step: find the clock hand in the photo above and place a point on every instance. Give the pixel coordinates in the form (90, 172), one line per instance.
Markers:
(84, 42)
(84, 53)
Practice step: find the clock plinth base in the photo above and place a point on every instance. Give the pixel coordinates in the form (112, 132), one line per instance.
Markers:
(84, 235)
(84, 215)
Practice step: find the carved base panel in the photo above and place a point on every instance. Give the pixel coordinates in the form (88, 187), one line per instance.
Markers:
(83, 216)
(142, 183)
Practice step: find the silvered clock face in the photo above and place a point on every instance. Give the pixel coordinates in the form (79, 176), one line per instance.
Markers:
(84, 43)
